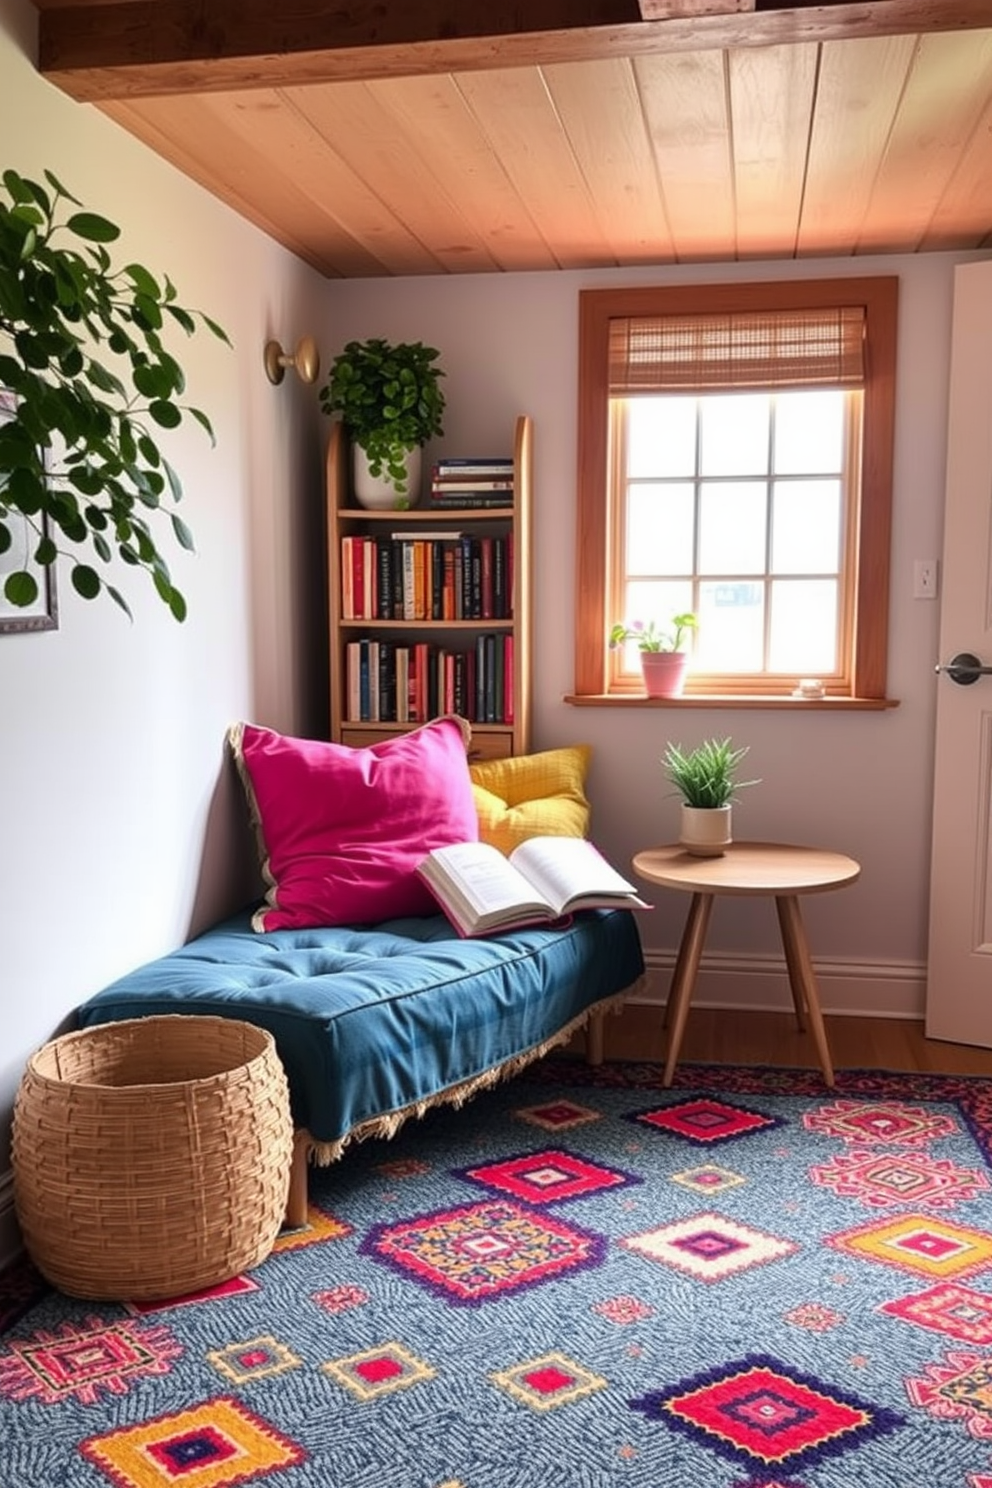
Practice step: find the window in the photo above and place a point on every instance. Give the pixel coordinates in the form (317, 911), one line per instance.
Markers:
(735, 458)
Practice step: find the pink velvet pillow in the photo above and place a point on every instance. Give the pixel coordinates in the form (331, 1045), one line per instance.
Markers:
(342, 830)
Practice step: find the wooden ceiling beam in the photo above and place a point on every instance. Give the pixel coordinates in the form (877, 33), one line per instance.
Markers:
(128, 49)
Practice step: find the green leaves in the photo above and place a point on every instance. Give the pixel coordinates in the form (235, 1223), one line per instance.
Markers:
(91, 386)
(389, 398)
(705, 776)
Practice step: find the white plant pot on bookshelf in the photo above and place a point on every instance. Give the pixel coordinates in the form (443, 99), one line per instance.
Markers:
(375, 493)
(706, 830)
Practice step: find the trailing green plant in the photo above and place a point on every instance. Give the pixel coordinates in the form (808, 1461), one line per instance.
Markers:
(706, 776)
(649, 638)
(90, 383)
(390, 401)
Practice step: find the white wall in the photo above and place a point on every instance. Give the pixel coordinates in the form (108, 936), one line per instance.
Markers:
(858, 783)
(122, 828)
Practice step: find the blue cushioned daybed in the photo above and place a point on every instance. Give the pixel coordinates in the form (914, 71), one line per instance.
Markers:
(376, 1023)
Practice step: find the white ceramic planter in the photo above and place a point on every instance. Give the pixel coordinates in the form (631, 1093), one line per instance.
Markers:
(706, 830)
(374, 493)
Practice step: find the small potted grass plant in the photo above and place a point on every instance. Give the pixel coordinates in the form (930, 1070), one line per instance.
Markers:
(706, 779)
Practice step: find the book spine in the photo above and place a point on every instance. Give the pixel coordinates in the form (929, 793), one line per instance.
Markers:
(486, 597)
(444, 485)
(369, 577)
(347, 588)
(401, 683)
(365, 696)
(480, 679)
(354, 688)
(470, 501)
(437, 579)
(489, 694)
(409, 586)
(384, 578)
(448, 608)
(509, 709)
(374, 715)
(474, 464)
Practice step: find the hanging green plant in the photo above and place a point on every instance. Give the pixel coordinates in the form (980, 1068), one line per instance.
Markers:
(79, 458)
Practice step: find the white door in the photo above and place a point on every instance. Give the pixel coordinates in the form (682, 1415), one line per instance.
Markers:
(959, 972)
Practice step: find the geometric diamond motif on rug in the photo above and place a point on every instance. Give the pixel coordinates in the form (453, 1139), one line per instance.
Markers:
(707, 1178)
(547, 1382)
(920, 1244)
(709, 1246)
(479, 1252)
(705, 1121)
(559, 1115)
(885, 1122)
(81, 1361)
(258, 1358)
(955, 1310)
(214, 1445)
(552, 1176)
(757, 1409)
(379, 1371)
(878, 1179)
(960, 1390)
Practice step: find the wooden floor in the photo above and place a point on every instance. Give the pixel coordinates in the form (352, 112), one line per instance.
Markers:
(724, 1037)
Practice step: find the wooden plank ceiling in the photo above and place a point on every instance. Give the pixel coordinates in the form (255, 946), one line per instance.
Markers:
(467, 136)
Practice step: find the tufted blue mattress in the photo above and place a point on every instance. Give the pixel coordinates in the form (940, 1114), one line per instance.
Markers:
(377, 1022)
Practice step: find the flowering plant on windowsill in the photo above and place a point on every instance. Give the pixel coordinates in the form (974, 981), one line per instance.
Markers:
(649, 638)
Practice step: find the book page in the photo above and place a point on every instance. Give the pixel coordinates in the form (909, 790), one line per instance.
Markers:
(565, 868)
(483, 878)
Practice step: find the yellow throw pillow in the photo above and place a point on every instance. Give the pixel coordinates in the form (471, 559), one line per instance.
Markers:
(532, 795)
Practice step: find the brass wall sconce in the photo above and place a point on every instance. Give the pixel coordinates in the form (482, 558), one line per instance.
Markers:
(305, 359)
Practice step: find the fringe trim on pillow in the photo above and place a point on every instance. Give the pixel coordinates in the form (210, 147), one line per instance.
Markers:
(324, 1153)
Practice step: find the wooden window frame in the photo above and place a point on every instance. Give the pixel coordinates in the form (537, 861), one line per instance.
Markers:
(869, 621)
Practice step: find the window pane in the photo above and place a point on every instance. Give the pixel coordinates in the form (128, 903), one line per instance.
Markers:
(732, 517)
(657, 602)
(806, 527)
(809, 433)
(734, 434)
(661, 436)
(804, 626)
(730, 637)
(660, 527)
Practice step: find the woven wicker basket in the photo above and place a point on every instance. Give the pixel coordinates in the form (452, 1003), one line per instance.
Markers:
(151, 1157)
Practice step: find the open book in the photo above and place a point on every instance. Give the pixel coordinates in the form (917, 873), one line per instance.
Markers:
(543, 879)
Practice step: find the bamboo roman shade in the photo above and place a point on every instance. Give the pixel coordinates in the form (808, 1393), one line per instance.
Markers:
(819, 347)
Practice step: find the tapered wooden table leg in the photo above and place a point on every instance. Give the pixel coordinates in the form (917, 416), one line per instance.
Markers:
(802, 978)
(779, 869)
(684, 977)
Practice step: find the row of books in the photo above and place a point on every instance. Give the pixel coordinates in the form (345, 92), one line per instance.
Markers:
(472, 482)
(393, 683)
(448, 576)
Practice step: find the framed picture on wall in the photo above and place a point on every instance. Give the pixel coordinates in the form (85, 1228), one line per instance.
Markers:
(43, 614)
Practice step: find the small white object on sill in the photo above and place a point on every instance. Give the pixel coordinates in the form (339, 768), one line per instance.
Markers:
(810, 688)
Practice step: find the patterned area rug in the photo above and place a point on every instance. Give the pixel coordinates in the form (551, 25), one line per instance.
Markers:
(580, 1280)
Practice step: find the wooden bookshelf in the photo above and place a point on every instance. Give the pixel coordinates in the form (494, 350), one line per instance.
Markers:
(508, 729)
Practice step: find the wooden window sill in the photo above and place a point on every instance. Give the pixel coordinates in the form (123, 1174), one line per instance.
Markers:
(730, 700)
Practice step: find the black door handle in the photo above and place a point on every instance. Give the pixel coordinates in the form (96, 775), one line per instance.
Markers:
(964, 669)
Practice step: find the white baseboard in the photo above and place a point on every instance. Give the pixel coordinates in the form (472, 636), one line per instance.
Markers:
(10, 1236)
(853, 989)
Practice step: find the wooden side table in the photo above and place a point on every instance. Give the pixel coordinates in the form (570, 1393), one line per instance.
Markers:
(747, 868)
